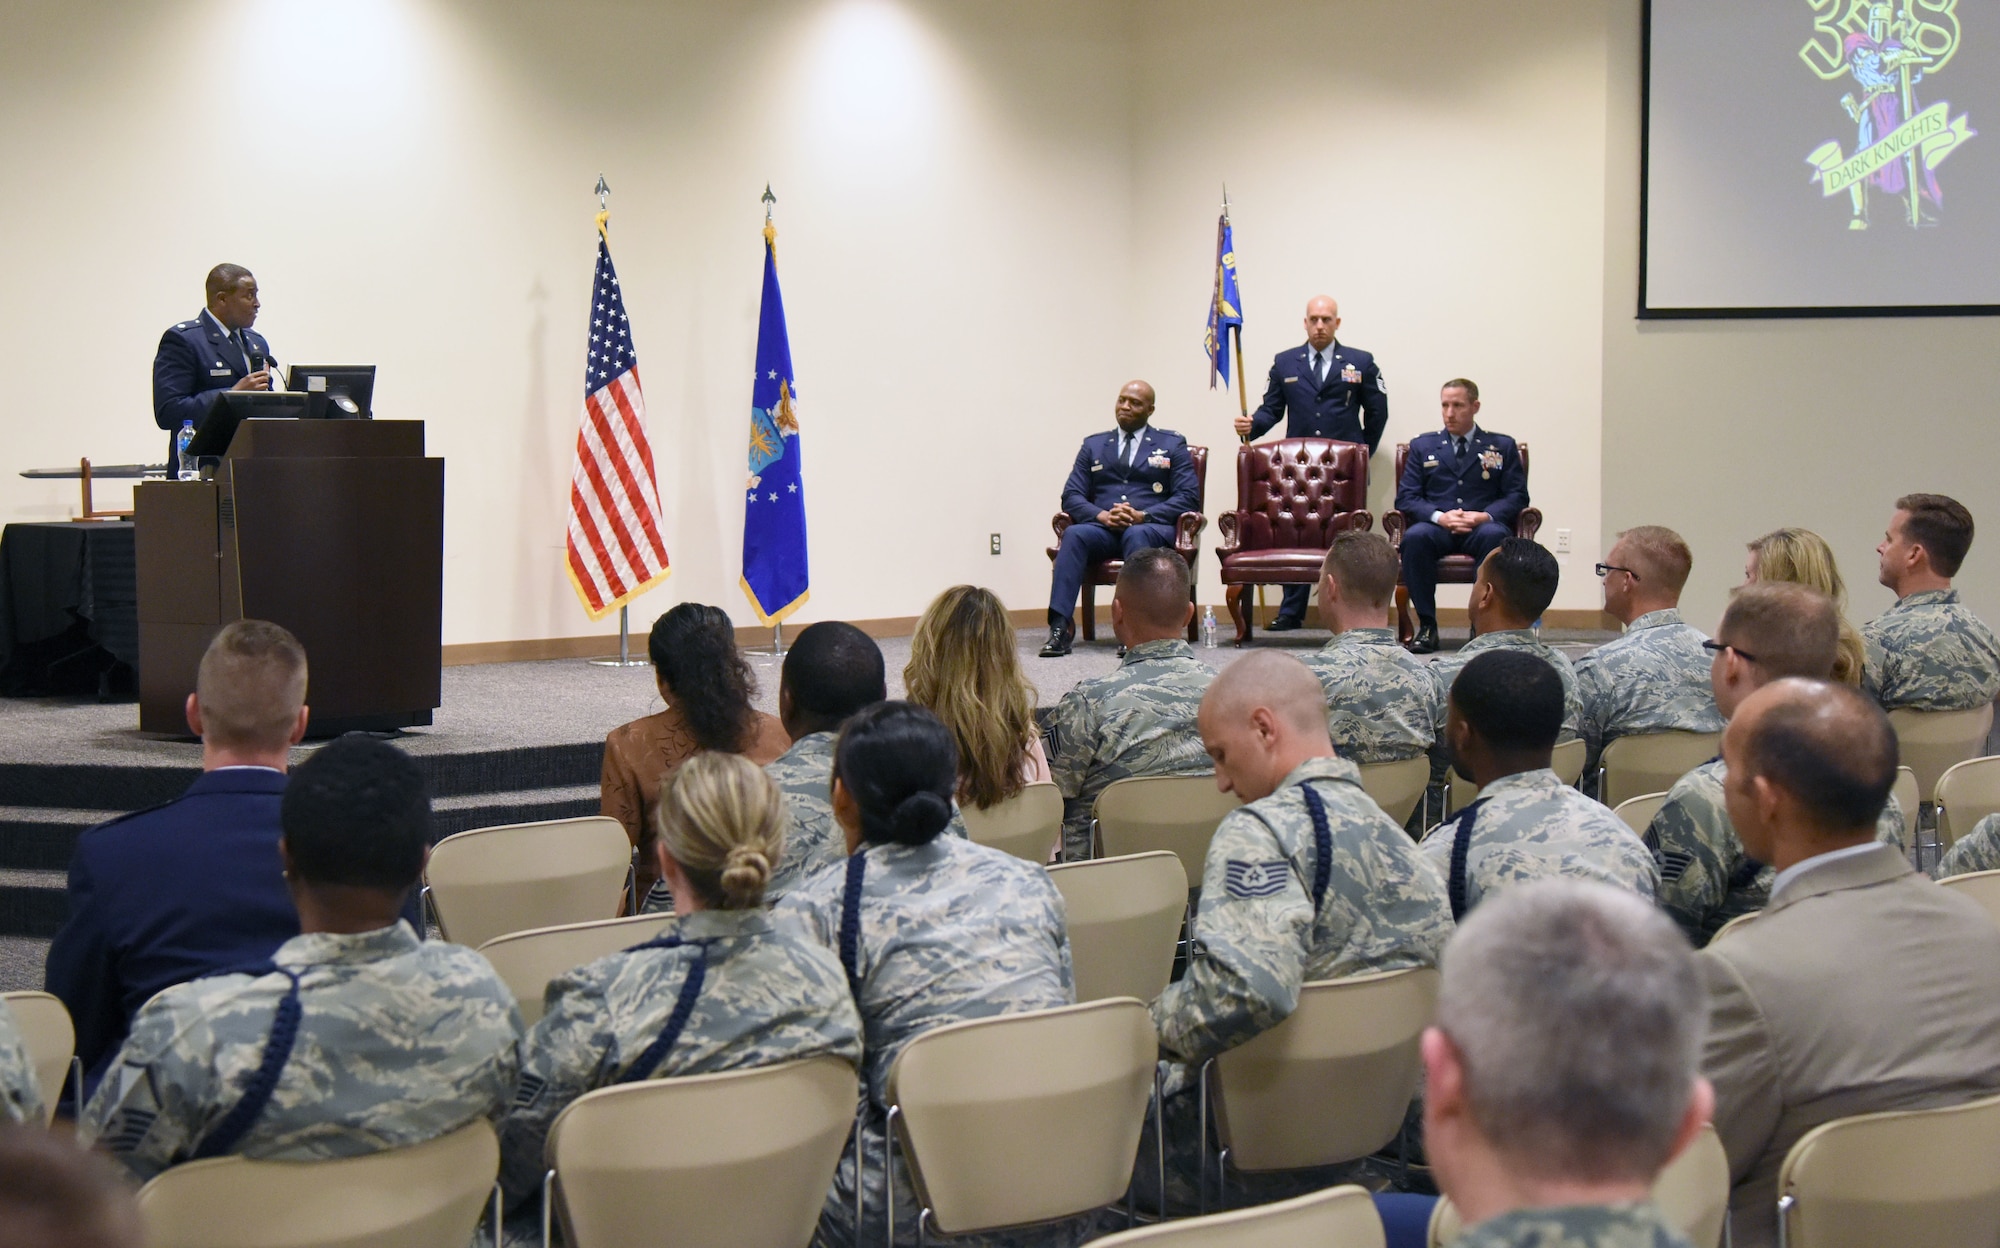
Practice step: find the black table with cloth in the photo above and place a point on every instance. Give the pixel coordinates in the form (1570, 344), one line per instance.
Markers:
(68, 608)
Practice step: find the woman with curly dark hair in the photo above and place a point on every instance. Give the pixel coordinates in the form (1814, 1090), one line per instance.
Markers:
(707, 688)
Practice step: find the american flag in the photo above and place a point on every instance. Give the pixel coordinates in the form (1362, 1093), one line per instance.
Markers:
(615, 548)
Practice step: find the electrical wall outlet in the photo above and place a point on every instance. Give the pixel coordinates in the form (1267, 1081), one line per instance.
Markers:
(1562, 541)
(993, 542)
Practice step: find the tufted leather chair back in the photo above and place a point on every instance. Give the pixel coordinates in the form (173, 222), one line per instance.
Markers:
(1296, 492)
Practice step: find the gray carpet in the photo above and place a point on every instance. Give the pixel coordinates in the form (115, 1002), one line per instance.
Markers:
(508, 705)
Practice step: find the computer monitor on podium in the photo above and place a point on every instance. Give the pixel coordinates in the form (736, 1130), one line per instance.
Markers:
(233, 407)
(336, 391)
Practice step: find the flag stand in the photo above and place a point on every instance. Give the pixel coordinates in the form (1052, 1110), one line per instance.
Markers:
(778, 637)
(624, 658)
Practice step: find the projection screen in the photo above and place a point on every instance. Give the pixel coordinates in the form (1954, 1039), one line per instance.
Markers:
(1821, 158)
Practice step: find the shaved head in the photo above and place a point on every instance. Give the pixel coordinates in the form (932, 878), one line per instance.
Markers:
(1262, 717)
(1826, 746)
(1152, 592)
(1322, 319)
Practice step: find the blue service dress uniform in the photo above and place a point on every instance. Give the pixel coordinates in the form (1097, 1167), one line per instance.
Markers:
(1350, 405)
(196, 361)
(1159, 480)
(1488, 478)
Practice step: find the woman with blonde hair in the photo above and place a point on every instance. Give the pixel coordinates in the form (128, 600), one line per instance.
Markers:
(964, 669)
(1803, 557)
(726, 989)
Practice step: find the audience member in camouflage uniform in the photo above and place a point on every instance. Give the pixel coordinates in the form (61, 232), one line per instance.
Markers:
(1308, 881)
(1526, 824)
(1977, 850)
(20, 1094)
(1771, 629)
(1929, 652)
(727, 989)
(931, 929)
(1379, 698)
(1655, 677)
(1139, 720)
(832, 670)
(1512, 589)
(1559, 998)
(356, 1038)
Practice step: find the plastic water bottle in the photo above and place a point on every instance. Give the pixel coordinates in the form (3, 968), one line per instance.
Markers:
(1208, 628)
(187, 471)
(1537, 627)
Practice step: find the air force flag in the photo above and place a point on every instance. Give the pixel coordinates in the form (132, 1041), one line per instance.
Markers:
(774, 509)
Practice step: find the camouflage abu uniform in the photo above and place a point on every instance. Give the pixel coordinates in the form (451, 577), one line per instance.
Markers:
(399, 1041)
(1380, 701)
(944, 932)
(1259, 935)
(1977, 850)
(1652, 679)
(1137, 721)
(804, 774)
(20, 1092)
(1705, 877)
(1445, 669)
(766, 995)
(1930, 653)
(1575, 1226)
(1531, 826)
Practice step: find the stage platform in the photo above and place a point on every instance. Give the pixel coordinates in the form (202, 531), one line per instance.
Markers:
(512, 742)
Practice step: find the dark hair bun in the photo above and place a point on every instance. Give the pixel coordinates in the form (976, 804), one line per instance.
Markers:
(919, 817)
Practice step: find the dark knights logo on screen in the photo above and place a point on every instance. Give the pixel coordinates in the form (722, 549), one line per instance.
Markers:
(1884, 54)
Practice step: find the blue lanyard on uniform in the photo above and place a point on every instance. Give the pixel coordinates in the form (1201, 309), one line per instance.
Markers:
(1322, 846)
(1459, 827)
(850, 919)
(264, 1080)
(677, 1021)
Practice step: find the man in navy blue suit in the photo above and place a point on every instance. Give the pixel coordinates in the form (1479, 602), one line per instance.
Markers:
(1462, 487)
(1126, 491)
(1324, 389)
(196, 886)
(215, 351)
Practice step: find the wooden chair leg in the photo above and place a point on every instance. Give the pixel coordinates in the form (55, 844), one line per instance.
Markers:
(1242, 603)
(1089, 611)
(1405, 627)
(1194, 597)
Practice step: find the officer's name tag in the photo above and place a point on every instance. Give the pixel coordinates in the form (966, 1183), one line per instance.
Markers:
(1430, 463)
(218, 372)
(1290, 380)
(1097, 467)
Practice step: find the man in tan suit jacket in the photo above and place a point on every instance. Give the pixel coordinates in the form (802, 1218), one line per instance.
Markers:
(1862, 986)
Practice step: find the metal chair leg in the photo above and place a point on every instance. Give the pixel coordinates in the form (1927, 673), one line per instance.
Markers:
(889, 1176)
(548, 1208)
(1160, 1132)
(497, 1216)
(1201, 1182)
(1785, 1205)
(76, 1082)
(860, 1116)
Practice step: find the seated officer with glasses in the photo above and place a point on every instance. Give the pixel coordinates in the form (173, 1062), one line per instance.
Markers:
(1461, 489)
(1655, 677)
(1771, 629)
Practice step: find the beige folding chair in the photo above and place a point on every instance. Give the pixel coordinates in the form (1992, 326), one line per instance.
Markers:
(1638, 812)
(741, 1157)
(1982, 886)
(1566, 760)
(1910, 800)
(1966, 793)
(1021, 1118)
(428, 1195)
(1932, 741)
(1180, 813)
(517, 877)
(1124, 915)
(1338, 1217)
(1329, 1084)
(1026, 825)
(50, 1038)
(1397, 787)
(527, 961)
(1926, 1176)
(1651, 762)
(1692, 1194)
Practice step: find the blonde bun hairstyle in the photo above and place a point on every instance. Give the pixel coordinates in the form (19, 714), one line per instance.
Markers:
(723, 820)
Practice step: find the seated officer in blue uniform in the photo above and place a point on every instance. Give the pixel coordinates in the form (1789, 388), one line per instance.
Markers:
(196, 886)
(1324, 389)
(215, 351)
(1461, 489)
(1126, 491)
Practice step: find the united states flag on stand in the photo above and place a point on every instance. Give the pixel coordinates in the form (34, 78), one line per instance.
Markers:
(615, 549)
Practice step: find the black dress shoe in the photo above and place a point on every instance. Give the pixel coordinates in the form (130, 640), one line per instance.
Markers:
(1283, 624)
(1060, 635)
(1425, 642)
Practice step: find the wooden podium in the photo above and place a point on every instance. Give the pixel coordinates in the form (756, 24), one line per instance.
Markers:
(333, 529)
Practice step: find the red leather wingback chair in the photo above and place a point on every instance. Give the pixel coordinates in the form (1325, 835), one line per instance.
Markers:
(1187, 541)
(1292, 496)
(1452, 569)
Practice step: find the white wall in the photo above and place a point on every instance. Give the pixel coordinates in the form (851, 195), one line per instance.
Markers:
(410, 180)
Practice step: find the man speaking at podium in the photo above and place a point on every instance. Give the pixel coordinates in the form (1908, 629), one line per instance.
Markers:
(215, 351)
